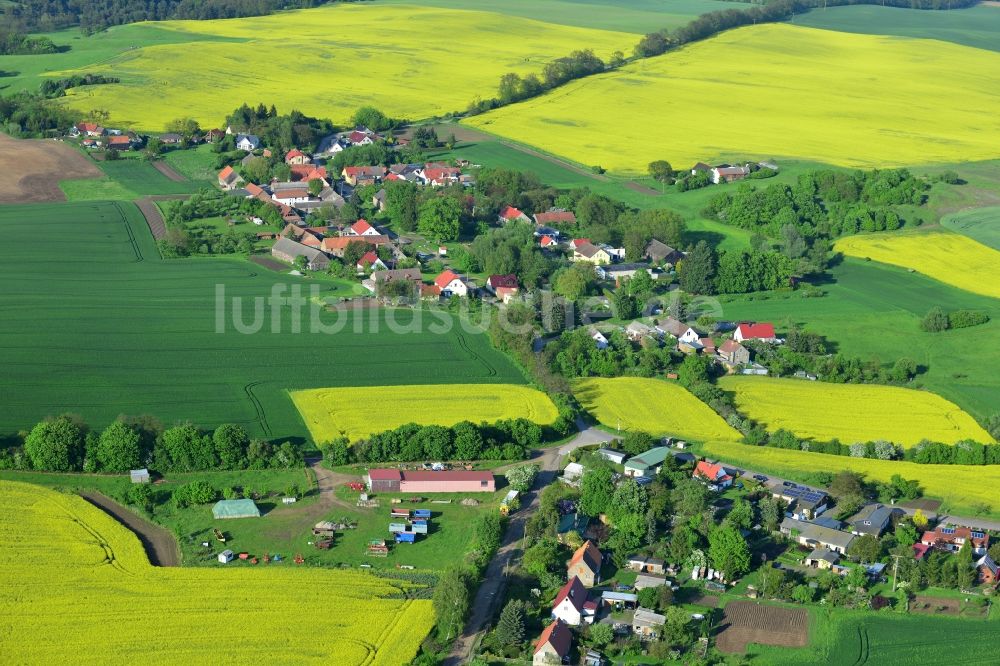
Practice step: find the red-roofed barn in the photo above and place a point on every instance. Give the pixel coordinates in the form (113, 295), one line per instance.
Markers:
(419, 481)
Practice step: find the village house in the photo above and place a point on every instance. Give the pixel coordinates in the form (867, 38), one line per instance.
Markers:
(509, 214)
(362, 175)
(598, 338)
(361, 136)
(751, 331)
(89, 129)
(229, 179)
(547, 242)
(647, 464)
(814, 536)
(171, 139)
(247, 142)
(288, 250)
(379, 200)
(822, 558)
(802, 502)
(590, 253)
(713, 475)
(729, 174)
(379, 279)
(504, 287)
(436, 174)
(296, 156)
(553, 645)
(303, 173)
(661, 253)
(291, 196)
(707, 346)
(950, 538)
(370, 261)
(121, 142)
(572, 473)
(873, 519)
(421, 481)
(646, 624)
(213, 135)
(679, 330)
(643, 564)
(555, 216)
(619, 272)
(361, 228)
(450, 284)
(586, 564)
(987, 572)
(572, 522)
(636, 331)
(571, 604)
(733, 353)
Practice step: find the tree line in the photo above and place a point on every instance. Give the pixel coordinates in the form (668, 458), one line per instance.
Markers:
(67, 444)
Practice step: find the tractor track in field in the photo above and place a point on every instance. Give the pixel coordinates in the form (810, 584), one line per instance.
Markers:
(255, 401)
(464, 344)
(159, 544)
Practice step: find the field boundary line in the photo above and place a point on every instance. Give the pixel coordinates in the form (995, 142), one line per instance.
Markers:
(131, 235)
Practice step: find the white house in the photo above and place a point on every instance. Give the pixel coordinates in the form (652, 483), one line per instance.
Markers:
(602, 342)
(290, 197)
(571, 605)
(362, 228)
(247, 142)
(763, 332)
(450, 282)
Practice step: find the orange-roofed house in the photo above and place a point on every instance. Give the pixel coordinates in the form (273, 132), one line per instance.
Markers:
(553, 646)
(579, 242)
(296, 156)
(548, 241)
(509, 214)
(555, 217)
(370, 261)
(586, 564)
(90, 129)
(712, 474)
(361, 228)
(451, 284)
(229, 179)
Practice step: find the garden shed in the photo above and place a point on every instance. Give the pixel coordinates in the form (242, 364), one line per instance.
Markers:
(241, 508)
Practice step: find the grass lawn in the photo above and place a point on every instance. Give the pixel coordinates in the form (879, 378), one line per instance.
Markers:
(109, 328)
(196, 163)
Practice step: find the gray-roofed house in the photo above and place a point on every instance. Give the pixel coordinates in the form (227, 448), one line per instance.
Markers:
(647, 464)
(288, 250)
(247, 142)
(615, 456)
(642, 581)
(171, 139)
(822, 558)
(873, 519)
(661, 253)
(815, 536)
(646, 623)
(636, 331)
(804, 503)
(618, 272)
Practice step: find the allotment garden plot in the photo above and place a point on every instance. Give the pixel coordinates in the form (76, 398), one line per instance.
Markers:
(97, 324)
(69, 570)
(651, 405)
(852, 412)
(357, 412)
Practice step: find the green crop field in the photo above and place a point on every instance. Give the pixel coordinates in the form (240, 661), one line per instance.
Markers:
(846, 638)
(872, 310)
(97, 324)
(340, 49)
(196, 163)
(637, 16)
(976, 26)
(776, 102)
(851, 412)
(127, 178)
(979, 224)
(61, 552)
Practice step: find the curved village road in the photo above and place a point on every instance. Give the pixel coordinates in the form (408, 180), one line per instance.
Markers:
(490, 592)
(159, 544)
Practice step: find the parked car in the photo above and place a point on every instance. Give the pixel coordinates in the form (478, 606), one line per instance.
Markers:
(760, 477)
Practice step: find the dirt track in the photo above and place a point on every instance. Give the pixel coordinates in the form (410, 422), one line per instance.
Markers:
(159, 544)
(168, 171)
(32, 168)
(154, 219)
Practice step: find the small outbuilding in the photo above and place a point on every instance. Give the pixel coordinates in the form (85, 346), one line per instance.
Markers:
(139, 475)
(241, 508)
(226, 556)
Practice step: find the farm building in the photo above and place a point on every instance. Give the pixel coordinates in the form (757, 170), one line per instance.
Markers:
(288, 250)
(617, 457)
(139, 476)
(815, 536)
(241, 508)
(641, 563)
(642, 581)
(646, 623)
(647, 464)
(419, 481)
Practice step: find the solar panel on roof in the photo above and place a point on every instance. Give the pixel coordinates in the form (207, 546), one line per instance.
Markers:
(977, 535)
(812, 497)
(947, 530)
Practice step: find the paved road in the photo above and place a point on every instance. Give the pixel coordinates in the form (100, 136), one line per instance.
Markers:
(159, 544)
(491, 592)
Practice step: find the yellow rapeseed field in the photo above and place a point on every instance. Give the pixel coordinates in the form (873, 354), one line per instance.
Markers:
(409, 61)
(774, 91)
(651, 405)
(357, 412)
(950, 258)
(962, 487)
(852, 412)
(76, 586)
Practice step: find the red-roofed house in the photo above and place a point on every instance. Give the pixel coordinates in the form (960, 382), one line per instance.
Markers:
(553, 645)
(361, 138)
(370, 261)
(586, 564)
(751, 331)
(441, 175)
(503, 287)
(450, 283)
(296, 156)
(307, 172)
(555, 217)
(257, 191)
(419, 481)
(509, 214)
(361, 228)
(90, 129)
(548, 241)
(951, 538)
(229, 179)
(714, 475)
(569, 604)
(120, 142)
(579, 242)
(362, 175)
